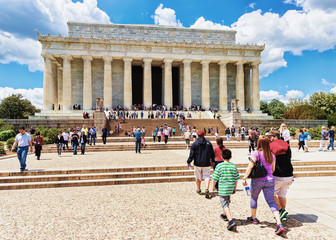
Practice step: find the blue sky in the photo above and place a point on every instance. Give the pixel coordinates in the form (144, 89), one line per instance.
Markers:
(300, 36)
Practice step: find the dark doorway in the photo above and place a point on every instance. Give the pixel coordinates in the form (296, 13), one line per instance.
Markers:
(176, 85)
(137, 85)
(157, 85)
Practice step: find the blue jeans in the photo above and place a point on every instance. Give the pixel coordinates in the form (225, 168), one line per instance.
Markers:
(243, 137)
(75, 148)
(83, 148)
(267, 186)
(137, 145)
(331, 144)
(92, 139)
(22, 156)
(59, 148)
(228, 137)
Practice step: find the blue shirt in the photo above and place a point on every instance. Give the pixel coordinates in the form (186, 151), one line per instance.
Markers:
(331, 133)
(138, 135)
(23, 140)
(301, 137)
(93, 130)
(305, 135)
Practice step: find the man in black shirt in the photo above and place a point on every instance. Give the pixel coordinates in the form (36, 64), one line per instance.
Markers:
(283, 174)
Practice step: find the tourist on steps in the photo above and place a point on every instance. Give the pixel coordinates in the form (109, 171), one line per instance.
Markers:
(218, 149)
(104, 132)
(203, 155)
(138, 136)
(38, 142)
(75, 140)
(66, 136)
(59, 140)
(83, 141)
(264, 155)
(23, 141)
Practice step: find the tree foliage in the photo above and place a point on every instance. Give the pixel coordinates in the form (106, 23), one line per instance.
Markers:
(5, 126)
(275, 108)
(15, 107)
(325, 101)
(305, 112)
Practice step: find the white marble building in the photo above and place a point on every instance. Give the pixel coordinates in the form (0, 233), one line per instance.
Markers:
(148, 64)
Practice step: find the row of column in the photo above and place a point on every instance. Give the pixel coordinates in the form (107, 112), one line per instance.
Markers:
(59, 91)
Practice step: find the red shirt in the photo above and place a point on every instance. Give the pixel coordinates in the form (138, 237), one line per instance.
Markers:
(218, 153)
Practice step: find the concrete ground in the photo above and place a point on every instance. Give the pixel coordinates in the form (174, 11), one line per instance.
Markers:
(156, 211)
(125, 158)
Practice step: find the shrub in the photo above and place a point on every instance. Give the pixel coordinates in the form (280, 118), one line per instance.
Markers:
(4, 126)
(10, 143)
(332, 120)
(48, 134)
(5, 135)
(305, 112)
(47, 140)
(2, 148)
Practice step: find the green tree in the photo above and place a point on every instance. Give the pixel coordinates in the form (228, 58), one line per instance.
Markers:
(277, 109)
(264, 106)
(325, 101)
(305, 112)
(15, 107)
(296, 102)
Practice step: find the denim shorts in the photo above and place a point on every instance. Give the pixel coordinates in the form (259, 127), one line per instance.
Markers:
(225, 201)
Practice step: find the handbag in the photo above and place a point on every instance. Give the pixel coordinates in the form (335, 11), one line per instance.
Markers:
(258, 171)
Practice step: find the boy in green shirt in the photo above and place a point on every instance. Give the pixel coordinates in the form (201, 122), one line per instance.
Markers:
(227, 176)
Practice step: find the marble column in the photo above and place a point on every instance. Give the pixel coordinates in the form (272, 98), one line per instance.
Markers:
(67, 83)
(205, 85)
(108, 82)
(247, 86)
(47, 83)
(168, 81)
(187, 83)
(240, 86)
(87, 83)
(128, 82)
(147, 82)
(60, 87)
(54, 92)
(255, 87)
(223, 88)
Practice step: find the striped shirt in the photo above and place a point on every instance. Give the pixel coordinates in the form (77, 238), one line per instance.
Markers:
(226, 174)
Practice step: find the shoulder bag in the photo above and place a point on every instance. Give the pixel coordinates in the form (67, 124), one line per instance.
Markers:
(258, 170)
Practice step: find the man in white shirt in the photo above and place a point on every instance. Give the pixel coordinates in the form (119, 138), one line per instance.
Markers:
(166, 133)
(66, 136)
(187, 136)
(23, 141)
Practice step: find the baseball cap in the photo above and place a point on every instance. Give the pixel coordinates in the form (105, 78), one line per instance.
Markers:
(200, 133)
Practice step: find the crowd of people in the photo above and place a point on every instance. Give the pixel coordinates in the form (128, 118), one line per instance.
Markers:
(274, 154)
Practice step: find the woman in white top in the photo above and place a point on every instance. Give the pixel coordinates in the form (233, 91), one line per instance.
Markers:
(284, 133)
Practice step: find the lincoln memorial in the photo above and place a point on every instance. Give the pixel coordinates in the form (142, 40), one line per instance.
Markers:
(148, 64)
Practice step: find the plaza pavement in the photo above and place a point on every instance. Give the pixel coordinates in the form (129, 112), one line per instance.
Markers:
(156, 211)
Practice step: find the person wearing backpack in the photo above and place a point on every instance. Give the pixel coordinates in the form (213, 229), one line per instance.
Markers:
(266, 184)
(283, 174)
(307, 138)
(251, 140)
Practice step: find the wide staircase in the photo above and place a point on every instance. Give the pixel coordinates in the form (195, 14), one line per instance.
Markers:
(133, 175)
(150, 125)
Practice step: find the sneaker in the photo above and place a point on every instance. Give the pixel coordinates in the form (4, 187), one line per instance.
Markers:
(283, 214)
(320, 150)
(198, 192)
(253, 220)
(280, 229)
(231, 225)
(207, 193)
(284, 219)
(224, 217)
(325, 151)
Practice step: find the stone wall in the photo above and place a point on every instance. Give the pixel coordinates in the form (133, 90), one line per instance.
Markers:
(97, 68)
(277, 122)
(231, 78)
(196, 83)
(61, 123)
(77, 81)
(117, 82)
(214, 85)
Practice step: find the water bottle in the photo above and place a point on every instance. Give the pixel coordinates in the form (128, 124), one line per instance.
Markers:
(247, 189)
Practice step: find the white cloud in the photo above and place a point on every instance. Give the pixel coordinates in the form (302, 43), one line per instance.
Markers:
(271, 94)
(35, 96)
(206, 24)
(17, 37)
(252, 5)
(166, 16)
(308, 5)
(329, 84)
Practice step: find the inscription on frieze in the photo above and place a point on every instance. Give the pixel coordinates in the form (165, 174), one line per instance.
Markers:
(150, 33)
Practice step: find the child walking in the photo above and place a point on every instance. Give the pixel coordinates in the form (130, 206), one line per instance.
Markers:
(226, 174)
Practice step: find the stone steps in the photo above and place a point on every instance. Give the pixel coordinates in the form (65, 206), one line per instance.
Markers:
(155, 146)
(132, 175)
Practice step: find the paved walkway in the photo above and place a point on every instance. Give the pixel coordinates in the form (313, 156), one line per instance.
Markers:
(126, 158)
(159, 211)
